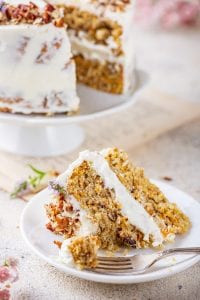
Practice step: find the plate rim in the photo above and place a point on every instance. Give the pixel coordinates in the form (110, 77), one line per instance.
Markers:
(113, 279)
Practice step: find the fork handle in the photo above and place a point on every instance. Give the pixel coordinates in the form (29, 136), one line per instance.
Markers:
(169, 252)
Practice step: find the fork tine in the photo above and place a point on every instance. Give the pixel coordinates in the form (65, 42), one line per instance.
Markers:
(113, 259)
(112, 270)
(114, 267)
(113, 263)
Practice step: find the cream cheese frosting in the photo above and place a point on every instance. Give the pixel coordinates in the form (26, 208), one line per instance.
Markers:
(81, 45)
(39, 3)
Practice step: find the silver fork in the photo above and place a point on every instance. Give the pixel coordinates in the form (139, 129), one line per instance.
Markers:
(137, 264)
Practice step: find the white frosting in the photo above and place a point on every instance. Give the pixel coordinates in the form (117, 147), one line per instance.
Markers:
(81, 45)
(65, 255)
(132, 209)
(128, 42)
(22, 76)
(86, 228)
(39, 3)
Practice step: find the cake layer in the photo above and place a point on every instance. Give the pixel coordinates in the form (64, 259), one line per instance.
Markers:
(97, 30)
(105, 76)
(169, 218)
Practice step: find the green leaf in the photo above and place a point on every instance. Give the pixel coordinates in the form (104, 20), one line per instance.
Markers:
(19, 189)
(34, 181)
(37, 171)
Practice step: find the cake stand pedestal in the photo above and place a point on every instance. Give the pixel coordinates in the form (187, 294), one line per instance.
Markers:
(40, 141)
(41, 136)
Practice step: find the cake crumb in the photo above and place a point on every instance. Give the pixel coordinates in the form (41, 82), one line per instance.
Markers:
(167, 178)
(58, 243)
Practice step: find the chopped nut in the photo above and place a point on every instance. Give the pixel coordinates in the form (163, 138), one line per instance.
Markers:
(58, 243)
(29, 14)
(102, 34)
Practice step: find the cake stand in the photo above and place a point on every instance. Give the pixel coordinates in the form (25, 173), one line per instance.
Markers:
(41, 136)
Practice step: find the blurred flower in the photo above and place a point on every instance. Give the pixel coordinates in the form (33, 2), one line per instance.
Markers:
(168, 13)
(5, 294)
(4, 274)
(56, 188)
(8, 275)
(8, 271)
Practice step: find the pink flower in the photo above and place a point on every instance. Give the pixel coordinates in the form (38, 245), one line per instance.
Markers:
(4, 274)
(8, 275)
(5, 294)
(168, 13)
(8, 272)
(11, 262)
(188, 12)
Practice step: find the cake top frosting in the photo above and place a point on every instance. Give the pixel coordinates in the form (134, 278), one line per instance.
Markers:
(27, 12)
(114, 5)
(39, 3)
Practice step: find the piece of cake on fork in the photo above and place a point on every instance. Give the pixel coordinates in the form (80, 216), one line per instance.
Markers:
(104, 202)
(102, 43)
(37, 70)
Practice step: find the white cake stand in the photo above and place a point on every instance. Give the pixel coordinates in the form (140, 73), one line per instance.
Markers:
(40, 136)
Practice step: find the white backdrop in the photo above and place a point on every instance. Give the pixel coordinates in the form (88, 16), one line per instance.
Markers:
(172, 58)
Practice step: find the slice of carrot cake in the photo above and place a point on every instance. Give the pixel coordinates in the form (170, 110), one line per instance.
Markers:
(104, 202)
(102, 42)
(37, 71)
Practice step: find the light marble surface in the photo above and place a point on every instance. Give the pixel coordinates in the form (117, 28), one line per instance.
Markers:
(175, 154)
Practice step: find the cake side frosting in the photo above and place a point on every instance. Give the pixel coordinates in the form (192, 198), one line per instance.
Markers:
(40, 3)
(38, 73)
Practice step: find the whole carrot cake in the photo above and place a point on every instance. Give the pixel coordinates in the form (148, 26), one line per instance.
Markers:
(104, 202)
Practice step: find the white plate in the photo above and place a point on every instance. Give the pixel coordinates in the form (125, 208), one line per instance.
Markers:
(40, 240)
